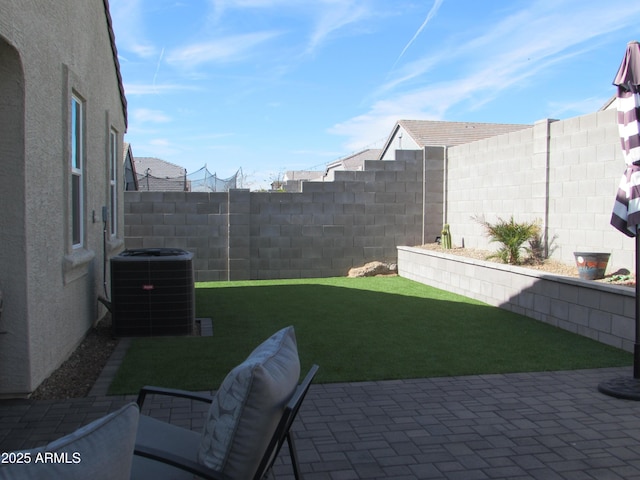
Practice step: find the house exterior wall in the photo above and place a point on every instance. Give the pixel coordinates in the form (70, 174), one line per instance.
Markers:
(12, 220)
(563, 173)
(322, 231)
(50, 289)
(401, 141)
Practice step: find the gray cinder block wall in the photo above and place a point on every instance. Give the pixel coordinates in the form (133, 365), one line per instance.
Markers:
(602, 312)
(563, 173)
(322, 231)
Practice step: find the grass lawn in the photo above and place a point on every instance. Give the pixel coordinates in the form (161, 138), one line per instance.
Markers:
(357, 329)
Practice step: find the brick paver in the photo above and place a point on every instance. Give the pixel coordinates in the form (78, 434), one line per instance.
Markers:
(549, 425)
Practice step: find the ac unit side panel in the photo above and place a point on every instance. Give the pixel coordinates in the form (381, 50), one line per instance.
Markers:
(152, 297)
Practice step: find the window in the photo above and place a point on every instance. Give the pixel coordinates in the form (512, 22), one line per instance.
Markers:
(113, 184)
(77, 170)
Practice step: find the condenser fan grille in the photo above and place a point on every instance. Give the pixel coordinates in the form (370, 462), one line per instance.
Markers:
(152, 292)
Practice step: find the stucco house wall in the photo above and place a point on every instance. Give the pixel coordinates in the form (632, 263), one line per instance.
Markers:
(400, 140)
(50, 51)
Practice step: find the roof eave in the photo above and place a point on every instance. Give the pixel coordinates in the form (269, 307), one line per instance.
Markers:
(387, 144)
(114, 49)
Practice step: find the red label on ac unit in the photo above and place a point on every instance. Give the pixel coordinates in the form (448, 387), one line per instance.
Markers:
(147, 287)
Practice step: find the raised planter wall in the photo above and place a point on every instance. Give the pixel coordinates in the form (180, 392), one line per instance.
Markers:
(605, 313)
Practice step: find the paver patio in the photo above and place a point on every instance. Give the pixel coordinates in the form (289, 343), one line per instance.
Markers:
(547, 425)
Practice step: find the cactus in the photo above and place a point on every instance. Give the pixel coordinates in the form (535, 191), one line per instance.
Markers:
(446, 237)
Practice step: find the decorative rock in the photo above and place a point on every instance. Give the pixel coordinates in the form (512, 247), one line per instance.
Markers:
(372, 269)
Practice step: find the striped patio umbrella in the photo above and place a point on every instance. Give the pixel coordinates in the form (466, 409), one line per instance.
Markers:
(626, 211)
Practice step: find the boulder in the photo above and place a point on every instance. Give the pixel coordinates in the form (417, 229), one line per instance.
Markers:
(372, 269)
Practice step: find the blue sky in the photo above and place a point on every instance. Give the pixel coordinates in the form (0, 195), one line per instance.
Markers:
(276, 85)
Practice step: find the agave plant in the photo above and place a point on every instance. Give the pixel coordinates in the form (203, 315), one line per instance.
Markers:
(511, 236)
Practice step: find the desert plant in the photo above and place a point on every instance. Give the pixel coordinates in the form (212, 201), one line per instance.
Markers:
(512, 237)
(540, 249)
(446, 236)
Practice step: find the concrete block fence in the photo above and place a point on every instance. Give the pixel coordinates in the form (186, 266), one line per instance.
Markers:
(605, 313)
(564, 174)
(322, 231)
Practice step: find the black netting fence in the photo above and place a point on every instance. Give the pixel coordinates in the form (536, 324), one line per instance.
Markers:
(200, 181)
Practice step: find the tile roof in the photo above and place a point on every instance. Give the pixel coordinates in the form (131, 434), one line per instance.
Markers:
(438, 133)
(303, 175)
(158, 168)
(159, 175)
(356, 161)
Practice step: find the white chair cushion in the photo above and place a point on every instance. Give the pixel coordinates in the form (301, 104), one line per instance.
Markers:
(248, 405)
(101, 450)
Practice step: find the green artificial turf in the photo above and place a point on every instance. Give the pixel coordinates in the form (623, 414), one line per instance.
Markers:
(357, 329)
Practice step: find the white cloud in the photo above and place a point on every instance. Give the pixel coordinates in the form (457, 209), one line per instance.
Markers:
(432, 13)
(334, 16)
(577, 107)
(480, 67)
(128, 21)
(161, 148)
(151, 89)
(224, 49)
(150, 116)
(326, 17)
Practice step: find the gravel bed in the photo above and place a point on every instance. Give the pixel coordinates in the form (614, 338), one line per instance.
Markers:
(621, 277)
(76, 376)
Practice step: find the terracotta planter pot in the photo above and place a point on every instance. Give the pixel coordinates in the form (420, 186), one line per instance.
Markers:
(591, 265)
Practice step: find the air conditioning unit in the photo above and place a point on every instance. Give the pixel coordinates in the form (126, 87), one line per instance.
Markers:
(152, 292)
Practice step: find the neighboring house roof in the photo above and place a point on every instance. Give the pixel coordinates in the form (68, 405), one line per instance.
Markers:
(303, 175)
(158, 167)
(130, 176)
(116, 62)
(356, 161)
(155, 174)
(438, 133)
(611, 103)
(351, 162)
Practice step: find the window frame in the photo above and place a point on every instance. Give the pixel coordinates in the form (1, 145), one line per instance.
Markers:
(113, 182)
(77, 171)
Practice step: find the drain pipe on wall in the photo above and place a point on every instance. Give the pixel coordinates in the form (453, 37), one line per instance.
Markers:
(1, 304)
(105, 215)
(104, 300)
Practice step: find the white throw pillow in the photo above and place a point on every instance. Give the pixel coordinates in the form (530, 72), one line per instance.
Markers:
(101, 450)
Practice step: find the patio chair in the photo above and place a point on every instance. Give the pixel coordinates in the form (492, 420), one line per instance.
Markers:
(249, 421)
